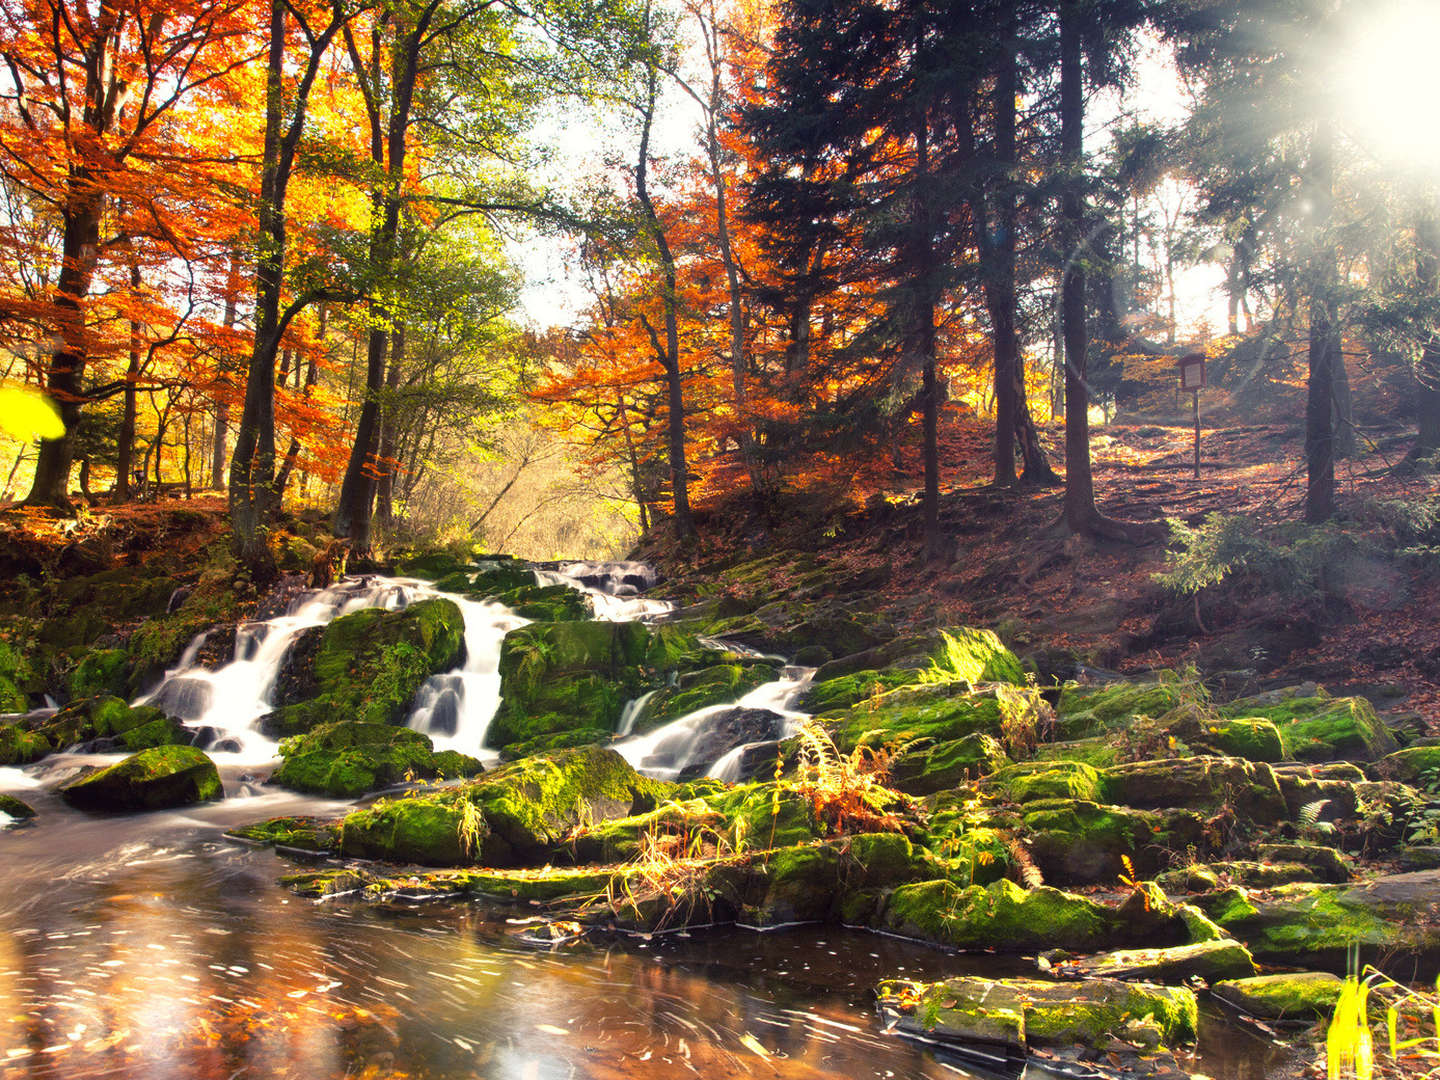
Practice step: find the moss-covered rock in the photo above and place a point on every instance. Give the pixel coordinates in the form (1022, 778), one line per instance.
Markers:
(1081, 842)
(937, 712)
(1008, 918)
(1411, 765)
(369, 664)
(302, 833)
(100, 671)
(1251, 737)
(1325, 863)
(713, 685)
(935, 767)
(14, 808)
(345, 759)
(1212, 961)
(1086, 710)
(153, 779)
(1032, 781)
(1322, 728)
(543, 603)
(518, 814)
(1198, 783)
(19, 745)
(1301, 995)
(1024, 1013)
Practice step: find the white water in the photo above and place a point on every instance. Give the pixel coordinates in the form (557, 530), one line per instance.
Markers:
(612, 589)
(456, 706)
(666, 751)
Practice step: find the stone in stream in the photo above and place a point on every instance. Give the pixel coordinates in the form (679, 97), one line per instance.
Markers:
(1301, 995)
(725, 731)
(13, 807)
(1023, 1013)
(1212, 961)
(345, 759)
(154, 779)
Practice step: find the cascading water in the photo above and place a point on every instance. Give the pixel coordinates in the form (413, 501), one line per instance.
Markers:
(612, 588)
(669, 751)
(456, 708)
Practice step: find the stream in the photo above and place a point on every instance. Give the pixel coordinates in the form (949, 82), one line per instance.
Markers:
(149, 946)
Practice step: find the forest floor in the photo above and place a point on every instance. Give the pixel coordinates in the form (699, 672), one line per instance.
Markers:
(1367, 627)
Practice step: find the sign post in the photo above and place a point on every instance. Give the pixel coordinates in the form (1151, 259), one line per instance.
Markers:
(1192, 378)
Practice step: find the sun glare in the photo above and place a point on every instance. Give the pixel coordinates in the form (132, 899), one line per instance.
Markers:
(1389, 83)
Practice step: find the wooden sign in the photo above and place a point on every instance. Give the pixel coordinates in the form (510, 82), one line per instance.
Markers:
(1192, 371)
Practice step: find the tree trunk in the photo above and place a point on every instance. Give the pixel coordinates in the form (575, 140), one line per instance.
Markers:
(1324, 344)
(222, 410)
(683, 523)
(385, 486)
(125, 451)
(1427, 371)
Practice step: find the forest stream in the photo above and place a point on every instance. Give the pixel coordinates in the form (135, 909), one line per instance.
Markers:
(144, 945)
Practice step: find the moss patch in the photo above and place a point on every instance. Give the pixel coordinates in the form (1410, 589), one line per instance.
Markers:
(150, 780)
(347, 759)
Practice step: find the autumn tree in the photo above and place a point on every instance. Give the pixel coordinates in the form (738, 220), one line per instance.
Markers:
(93, 129)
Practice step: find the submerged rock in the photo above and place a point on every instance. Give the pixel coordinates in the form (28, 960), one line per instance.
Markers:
(13, 807)
(1021, 1013)
(153, 779)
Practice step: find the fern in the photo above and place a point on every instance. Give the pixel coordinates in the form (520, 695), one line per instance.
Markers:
(1310, 813)
(1030, 875)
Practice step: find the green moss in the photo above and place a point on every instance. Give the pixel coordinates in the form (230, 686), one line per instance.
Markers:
(369, 665)
(153, 779)
(1084, 842)
(12, 698)
(803, 884)
(344, 759)
(1097, 751)
(1411, 765)
(521, 813)
(1323, 729)
(1249, 737)
(976, 656)
(558, 740)
(15, 808)
(1319, 923)
(938, 712)
(305, 833)
(1028, 1012)
(1084, 711)
(18, 745)
(844, 691)
(1303, 995)
(927, 769)
(1032, 781)
(158, 730)
(1199, 783)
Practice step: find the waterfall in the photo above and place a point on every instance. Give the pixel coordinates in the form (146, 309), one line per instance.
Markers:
(611, 588)
(634, 709)
(455, 708)
(683, 743)
(231, 698)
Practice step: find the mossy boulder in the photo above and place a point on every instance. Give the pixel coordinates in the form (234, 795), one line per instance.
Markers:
(19, 745)
(938, 766)
(1250, 737)
(1317, 924)
(1086, 710)
(14, 808)
(543, 603)
(516, 815)
(1009, 918)
(1323, 728)
(100, 671)
(1032, 781)
(1300, 995)
(301, 833)
(369, 664)
(1081, 842)
(154, 779)
(346, 759)
(564, 676)
(1024, 1013)
(1198, 783)
(716, 684)
(938, 712)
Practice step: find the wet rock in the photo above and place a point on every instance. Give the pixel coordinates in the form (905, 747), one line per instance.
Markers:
(1303, 995)
(369, 664)
(511, 816)
(713, 685)
(13, 807)
(299, 833)
(153, 779)
(726, 731)
(345, 760)
(1021, 1013)
(1207, 960)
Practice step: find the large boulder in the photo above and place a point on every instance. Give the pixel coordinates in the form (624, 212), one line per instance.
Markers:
(367, 666)
(345, 759)
(1322, 728)
(515, 815)
(1199, 783)
(1081, 842)
(154, 779)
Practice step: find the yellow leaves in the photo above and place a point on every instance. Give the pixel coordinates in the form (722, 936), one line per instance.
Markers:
(753, 1044)
(27, 413)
